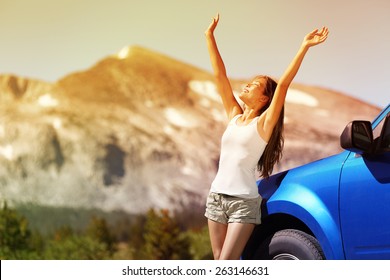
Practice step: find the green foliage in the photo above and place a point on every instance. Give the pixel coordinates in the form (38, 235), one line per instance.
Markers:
(62, 233)
(136, 238)
(76, 248)
(156, 235)
(14, 233)
(163, 240)
(99, 230)
(200, 248)
(97, 243)
(47, 219)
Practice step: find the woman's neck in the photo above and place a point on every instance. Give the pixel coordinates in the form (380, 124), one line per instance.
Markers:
(248, 115)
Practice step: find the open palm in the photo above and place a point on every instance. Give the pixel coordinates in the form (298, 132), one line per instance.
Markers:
(316, 37)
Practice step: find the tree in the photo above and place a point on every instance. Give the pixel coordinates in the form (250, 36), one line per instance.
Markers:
(163, 240)
(99, 230)
(200, 248)
(96, 243)
(14, 233)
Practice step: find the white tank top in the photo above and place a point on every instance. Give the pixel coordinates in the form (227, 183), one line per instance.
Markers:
(241, 149)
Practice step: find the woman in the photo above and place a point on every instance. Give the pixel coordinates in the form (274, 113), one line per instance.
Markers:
(252, 138)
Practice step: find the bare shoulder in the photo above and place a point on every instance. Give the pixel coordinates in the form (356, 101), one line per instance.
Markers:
(235, 110)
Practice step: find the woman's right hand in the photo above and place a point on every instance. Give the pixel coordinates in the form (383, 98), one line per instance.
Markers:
(212, 26)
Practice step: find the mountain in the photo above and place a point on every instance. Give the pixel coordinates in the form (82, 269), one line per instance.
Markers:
(140, 130)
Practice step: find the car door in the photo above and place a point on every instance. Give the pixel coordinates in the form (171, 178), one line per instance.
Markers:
(365, 201)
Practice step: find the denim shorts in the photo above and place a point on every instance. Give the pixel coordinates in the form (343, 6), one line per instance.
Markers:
(226, 209)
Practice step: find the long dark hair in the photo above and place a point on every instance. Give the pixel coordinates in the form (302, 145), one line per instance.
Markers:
(273, 151)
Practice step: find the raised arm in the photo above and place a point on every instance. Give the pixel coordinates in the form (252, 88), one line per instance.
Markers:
(230, 104)
(272, 113)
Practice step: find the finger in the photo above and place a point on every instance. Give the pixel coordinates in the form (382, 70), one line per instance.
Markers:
(326, 32)
(216, 19)
(323, 38)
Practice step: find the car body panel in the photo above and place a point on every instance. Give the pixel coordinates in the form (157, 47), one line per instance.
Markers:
(365, 206)
(314, 204)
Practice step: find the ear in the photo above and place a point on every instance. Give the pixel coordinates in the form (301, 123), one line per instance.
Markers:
(264, 99)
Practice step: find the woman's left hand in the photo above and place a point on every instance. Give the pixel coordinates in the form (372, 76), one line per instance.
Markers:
(316, 37)
(213, 25)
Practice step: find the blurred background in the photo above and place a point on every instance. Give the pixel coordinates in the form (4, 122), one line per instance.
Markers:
(110, 121)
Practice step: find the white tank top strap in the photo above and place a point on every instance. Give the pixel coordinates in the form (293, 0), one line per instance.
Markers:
(235, 118)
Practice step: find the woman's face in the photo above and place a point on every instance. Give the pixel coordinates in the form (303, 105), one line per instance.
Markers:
(254, 91)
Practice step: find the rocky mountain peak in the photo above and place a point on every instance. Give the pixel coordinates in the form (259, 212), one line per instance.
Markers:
(14, 88)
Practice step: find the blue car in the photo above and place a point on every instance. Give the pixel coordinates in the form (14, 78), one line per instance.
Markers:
(335, 208)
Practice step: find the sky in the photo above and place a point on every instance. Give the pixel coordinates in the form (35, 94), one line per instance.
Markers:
(49, 39)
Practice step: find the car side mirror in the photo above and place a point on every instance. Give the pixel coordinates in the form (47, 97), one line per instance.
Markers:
(357, 137)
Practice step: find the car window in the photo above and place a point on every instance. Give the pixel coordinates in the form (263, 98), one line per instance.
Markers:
(386, 135)
(378, 129)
